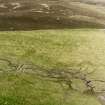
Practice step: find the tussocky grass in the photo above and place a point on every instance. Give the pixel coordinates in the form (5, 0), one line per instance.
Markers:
(50, 49)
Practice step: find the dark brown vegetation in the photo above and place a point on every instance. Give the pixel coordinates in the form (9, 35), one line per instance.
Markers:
(43, 14)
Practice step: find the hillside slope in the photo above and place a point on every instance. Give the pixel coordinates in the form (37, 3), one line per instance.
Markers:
(35, 67)
(42, 14)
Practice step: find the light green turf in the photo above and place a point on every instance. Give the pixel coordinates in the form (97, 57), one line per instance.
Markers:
(57, 49)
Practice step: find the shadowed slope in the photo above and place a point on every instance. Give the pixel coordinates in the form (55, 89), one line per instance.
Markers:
(42, 14)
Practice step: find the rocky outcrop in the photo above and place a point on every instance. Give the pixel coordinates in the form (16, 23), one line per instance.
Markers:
(44, 14)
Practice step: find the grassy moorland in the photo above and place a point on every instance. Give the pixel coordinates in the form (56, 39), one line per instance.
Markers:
(25, 56)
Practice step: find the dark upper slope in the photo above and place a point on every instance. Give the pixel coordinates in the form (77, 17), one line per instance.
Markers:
(39, 14)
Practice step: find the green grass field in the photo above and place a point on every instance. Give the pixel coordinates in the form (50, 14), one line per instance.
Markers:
(49, 49)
